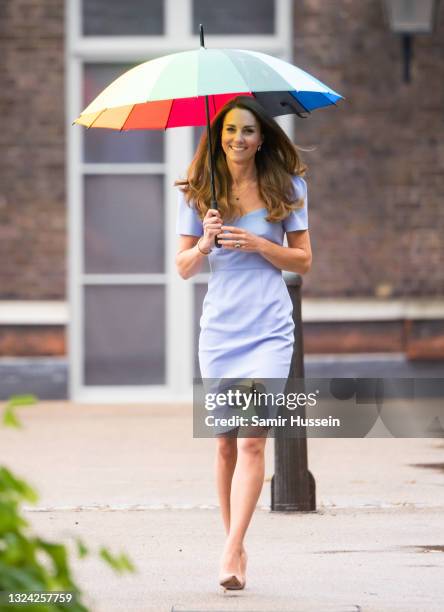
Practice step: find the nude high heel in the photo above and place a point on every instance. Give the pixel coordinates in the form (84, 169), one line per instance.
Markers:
(234, 582)
(231, 582)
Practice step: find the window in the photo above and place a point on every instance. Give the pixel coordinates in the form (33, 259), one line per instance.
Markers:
(103, 145)
(235, 16)
(124, 346)
(124, 224)
(117, 18)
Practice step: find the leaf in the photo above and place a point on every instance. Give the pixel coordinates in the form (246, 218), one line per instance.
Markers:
(13, 487)
(127, 563)
(120, 564)
(82, 550)
(10, 520)
(10, 419)
(59, 557)
(21, 400)
(19, 578)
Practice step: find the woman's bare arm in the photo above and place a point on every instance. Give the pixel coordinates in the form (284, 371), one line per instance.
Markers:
(296, 257)
(189, 258)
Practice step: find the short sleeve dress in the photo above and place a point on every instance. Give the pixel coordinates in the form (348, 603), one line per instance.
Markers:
(246, 327)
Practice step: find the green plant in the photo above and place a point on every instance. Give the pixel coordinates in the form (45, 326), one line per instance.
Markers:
(28, 562)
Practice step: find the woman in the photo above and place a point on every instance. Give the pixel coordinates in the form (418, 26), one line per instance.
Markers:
(246, 324)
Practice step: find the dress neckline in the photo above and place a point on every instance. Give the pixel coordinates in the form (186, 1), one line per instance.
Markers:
(252, 211)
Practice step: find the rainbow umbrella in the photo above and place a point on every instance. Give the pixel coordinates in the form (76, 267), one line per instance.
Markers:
(188, 89)
(171, 91)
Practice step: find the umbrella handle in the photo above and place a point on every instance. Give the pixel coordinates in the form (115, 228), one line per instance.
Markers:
(214, 207)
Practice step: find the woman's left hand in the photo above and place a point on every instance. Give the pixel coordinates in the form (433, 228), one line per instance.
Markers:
(232, 237)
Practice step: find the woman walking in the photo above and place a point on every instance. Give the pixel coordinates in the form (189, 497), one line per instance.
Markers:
(246, 324)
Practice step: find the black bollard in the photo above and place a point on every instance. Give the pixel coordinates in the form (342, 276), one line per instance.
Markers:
(293, 487)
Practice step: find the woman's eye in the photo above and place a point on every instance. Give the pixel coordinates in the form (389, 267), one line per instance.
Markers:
(230, 129)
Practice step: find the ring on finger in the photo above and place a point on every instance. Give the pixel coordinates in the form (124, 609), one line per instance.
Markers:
(238, 245)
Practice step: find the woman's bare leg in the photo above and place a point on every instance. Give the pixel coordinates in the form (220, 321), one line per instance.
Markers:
(248, 479)
(226, 456)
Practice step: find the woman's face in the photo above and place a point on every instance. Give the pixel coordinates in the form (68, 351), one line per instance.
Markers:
(241, 135)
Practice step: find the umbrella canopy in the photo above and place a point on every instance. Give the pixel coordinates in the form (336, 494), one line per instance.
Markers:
(171, 91)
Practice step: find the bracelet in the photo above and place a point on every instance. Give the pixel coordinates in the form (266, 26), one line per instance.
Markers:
(200, 250)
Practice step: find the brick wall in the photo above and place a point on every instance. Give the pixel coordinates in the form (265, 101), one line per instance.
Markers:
(376, 177)
(32, 157)
(32, 340)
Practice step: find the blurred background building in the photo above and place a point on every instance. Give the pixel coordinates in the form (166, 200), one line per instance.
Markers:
(91, 306)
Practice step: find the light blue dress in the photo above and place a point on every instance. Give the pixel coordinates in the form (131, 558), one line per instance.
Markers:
(246, 324)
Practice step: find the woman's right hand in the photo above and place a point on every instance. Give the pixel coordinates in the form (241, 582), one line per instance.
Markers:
(212, 224)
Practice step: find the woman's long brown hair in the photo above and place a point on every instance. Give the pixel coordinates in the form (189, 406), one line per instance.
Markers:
(276, 162)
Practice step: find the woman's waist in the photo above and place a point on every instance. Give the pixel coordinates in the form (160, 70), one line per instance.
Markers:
(247, 294)
(235, 261)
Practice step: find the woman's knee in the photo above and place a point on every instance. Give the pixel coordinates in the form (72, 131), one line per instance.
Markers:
(252, 446)
(227, 447)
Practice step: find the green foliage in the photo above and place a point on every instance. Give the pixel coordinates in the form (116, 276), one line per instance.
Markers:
(30, 563)
(119, 563)
(9, 417)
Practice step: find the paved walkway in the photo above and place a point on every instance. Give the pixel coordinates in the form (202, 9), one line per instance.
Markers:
(134, 479)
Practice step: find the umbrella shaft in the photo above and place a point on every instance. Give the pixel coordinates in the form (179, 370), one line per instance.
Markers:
(210, 155)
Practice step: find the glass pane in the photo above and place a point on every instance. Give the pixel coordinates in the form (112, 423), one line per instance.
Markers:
(234, 17)
(410, 17)
(102, 145)
(199, 293)
(124, 224)
(117, 18)
(124, 335)
(197, 133)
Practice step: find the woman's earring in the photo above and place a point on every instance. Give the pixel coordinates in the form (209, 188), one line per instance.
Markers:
(259, 147)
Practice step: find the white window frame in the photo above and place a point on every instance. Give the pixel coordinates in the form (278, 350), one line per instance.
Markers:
(179, 293)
